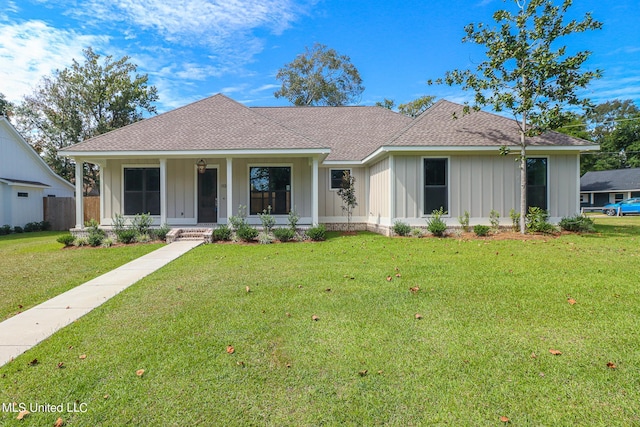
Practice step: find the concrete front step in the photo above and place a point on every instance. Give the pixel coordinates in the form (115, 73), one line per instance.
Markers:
(181, 234)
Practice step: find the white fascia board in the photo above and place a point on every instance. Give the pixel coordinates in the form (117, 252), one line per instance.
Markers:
(346, 163)
(195, 153)
(24, 184)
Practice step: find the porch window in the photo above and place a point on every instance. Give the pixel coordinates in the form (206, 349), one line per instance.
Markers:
(270, 186)
(436, 187)
(337, 176)
(537, 183)
(141, 191)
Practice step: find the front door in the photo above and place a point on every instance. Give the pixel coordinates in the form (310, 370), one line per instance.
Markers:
(208, 196)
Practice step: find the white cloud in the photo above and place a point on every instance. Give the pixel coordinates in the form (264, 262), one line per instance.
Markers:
(33, 49)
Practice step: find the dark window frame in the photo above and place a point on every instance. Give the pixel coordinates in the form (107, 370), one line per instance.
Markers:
(23, 194)
(438, 185)
(336, 183)
(537, 189)
(147, 196)
(265, 188)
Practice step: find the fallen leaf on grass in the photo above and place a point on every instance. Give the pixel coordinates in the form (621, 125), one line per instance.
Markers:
(398, 275)
(414, 289)
(389, 278)
(61, 365)
(363, 373)
(571, 301)
(82, 356)
(22, 414)
(418, 316)
(611, 365)
(555, 352)
(240, 363)
(140, 372)
(533, 355)
(288, 314)
(315, 318)
(504, 419)
(34, 362)
(59, 423)
(247, 288)
(328, 290)
(230, 349)
(106, 396)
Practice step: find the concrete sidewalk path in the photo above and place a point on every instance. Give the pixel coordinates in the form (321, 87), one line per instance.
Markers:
(23, 331)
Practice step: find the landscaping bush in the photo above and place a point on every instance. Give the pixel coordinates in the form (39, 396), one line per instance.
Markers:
(141, 223)
(284, 234)
(161, 233)
(515, 220)
(264, 238)
(66, 239)
(481, 230)
(401, 228)
(126, 235)
(494, 219)
(317, 233)
(45, 225)
(143, 237)
(417, 232)
(32, 227)
(293, 219)
(81, 241)
(18, 229)
(464, 221)
(5, 229)
(246, 233)
(240, 220)
(267, 220)
(435, 224)
(223, 232)
(107, 242)
(96, 234)
(536, 221)
(577, 223)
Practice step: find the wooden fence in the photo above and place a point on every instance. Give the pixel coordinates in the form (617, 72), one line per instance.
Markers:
(60, 212)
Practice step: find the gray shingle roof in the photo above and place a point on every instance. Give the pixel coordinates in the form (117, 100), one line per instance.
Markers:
(612, 180)
(214, 123)
(351, 133)
(437, 127)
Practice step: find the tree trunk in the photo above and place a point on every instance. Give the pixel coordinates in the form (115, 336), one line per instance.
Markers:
(523, 173)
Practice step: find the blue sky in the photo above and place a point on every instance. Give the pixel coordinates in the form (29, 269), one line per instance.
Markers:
(195, 48)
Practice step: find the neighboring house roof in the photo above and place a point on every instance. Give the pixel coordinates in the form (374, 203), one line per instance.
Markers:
(351, 132)
(611, 180)
(219, 124)
(438, 127)
(214, 123)
(23, 182)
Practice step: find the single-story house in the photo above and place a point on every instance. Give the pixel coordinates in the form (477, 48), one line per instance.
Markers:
(597, 188)
(25, 179)
(197, 164)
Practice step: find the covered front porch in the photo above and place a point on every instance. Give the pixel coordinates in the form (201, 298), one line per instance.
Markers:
(203, 190)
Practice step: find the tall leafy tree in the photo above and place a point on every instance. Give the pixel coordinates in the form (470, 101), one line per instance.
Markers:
(528, 71)
(320, 76)
(80, 102)
(412, 108)
(5, 106)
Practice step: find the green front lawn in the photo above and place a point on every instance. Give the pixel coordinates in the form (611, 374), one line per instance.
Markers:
(35, 268)
(491, 312)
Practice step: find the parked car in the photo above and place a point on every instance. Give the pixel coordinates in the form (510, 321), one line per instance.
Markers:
(629, 206)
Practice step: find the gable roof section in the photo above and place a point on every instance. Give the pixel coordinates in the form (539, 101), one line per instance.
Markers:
(611, 180)
(437, 127)
(214, 123)
(351, 132)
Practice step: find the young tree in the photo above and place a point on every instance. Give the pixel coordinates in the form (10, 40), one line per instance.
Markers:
(83, 101)
(320, 76)
(528, 72)
(347, 193)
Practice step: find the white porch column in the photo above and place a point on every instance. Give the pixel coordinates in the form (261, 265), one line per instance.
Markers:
(79, 195)
(229, 188)
(314, 192)
(163, 191)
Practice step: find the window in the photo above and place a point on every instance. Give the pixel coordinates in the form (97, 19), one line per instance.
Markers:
(618, 197)
(20, 194)
(270, 186)
(141, 191)
(537, 183)
(337, 176)
(436, 187)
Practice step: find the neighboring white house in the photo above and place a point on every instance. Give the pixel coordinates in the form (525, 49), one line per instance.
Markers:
(195, 165)
(597, 188)
(24, 179)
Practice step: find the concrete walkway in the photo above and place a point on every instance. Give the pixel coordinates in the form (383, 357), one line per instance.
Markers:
(23, 331)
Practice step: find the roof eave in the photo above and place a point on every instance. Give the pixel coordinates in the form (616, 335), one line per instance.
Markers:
(113, 154)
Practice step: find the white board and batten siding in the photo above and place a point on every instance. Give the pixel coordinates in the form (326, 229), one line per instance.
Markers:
(22, 201)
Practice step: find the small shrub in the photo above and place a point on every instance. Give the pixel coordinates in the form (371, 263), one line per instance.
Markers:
(494, 219)
(264, 238)
(5, 229)
(81, 241)
(515, 219)
(401, 228)
(223, 232)
(284, 234)
(126, 235)
(143, 238)
(96, 234)
(536, 221)
(481, 230)
(436, 224)
(31, 227)
(18, 229)
(317, 233)
(119, 222)
(293, 219)
(107, 242)
(417, 232)
(464, 221)
(247, 233)
(66, 239)
(240, 220)
(45, 225)
(577, 223)
(161, 233)
(142, 223)
(267, 220)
